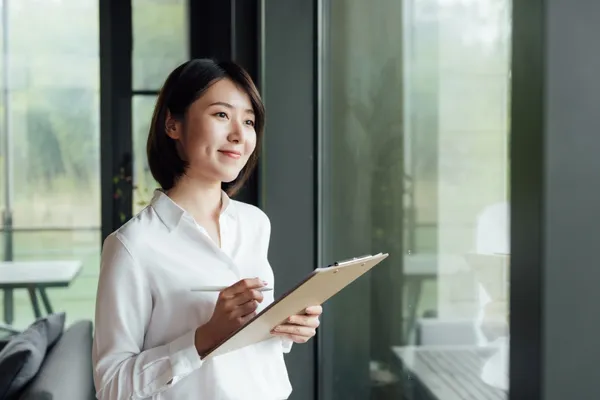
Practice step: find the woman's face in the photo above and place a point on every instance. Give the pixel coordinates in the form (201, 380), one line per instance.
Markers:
(217, 136)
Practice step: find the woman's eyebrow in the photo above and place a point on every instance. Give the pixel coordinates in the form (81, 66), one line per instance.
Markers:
(224, 104)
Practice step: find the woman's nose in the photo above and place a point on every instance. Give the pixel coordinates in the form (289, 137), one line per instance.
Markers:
(237, 133)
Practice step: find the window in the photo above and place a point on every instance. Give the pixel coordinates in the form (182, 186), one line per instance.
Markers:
(50, 146)
(160, 40)
(144, 184)
(160, 44)
(416, 164)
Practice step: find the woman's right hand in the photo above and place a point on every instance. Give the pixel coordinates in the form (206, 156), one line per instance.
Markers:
(235, 306)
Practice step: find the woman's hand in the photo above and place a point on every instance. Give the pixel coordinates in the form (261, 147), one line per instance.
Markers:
(300, 328)
(235, 306)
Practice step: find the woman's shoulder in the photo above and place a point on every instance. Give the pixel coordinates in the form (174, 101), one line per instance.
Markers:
(139, 230)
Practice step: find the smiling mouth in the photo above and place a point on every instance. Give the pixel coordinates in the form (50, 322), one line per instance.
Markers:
(231, 154)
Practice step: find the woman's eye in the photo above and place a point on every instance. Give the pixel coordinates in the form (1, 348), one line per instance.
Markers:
(221, 115)
(250, 122)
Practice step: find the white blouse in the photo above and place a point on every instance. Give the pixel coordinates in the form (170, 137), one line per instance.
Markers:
(146, 313)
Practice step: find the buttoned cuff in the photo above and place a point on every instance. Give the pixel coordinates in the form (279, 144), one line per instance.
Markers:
(183, 360)
(183, 355)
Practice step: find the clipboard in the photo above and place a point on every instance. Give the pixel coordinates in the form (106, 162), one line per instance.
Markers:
(315, 289)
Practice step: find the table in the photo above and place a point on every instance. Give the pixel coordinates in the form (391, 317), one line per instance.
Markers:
(36, 276)
(447, 372)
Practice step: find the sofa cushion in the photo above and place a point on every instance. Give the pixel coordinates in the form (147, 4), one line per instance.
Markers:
(67, 369)
(22, 356)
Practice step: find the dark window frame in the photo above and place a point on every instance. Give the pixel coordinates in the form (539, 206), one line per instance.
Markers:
(288, 182)
(555, 161)
(115, 112)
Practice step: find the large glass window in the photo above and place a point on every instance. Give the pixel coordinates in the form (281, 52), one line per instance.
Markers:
(50, 164)
(160, 43)
(416, 163)
(144, 184)
(160, 33)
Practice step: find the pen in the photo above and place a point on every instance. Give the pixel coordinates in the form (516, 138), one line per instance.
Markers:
(221, 288)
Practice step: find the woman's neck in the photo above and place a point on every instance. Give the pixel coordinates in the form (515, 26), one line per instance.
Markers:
(202, 200)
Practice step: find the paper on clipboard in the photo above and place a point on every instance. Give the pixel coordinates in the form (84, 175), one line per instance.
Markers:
(317, 288)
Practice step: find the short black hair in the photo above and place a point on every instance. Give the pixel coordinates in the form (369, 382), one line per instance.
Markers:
(186, 84)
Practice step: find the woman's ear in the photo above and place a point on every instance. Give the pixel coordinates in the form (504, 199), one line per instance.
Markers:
(172, 126)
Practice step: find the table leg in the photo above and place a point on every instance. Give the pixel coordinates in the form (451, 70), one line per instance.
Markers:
(45, 300)
(34, 302)
(8, 306)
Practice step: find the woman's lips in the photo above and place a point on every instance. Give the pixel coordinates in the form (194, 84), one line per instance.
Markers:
(231, 154)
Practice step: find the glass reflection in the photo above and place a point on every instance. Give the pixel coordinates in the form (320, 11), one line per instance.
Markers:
(416, 163)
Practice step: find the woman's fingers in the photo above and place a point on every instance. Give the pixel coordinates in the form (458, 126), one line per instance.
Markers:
(300, 328)
(243, 298)
(244, 309)
(242, 286)
(294, 338)
(248, 295)
(297, 331)
(305, 320)
(314, 310)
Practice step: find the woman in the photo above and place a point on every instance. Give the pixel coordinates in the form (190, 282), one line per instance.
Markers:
(151, 329)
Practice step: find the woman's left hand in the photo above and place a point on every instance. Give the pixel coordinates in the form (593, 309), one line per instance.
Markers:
(300, 328)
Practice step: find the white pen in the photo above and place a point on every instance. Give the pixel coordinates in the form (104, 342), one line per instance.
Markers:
(221, 288)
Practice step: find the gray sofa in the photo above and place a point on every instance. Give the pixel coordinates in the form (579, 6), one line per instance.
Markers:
(66, 370)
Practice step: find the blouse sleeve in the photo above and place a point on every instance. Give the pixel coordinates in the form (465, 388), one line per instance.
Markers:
(123, 310)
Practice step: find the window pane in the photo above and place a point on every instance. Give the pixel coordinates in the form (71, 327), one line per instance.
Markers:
(53, 82)
(417, 165)
(159, 40)
(144, 183)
